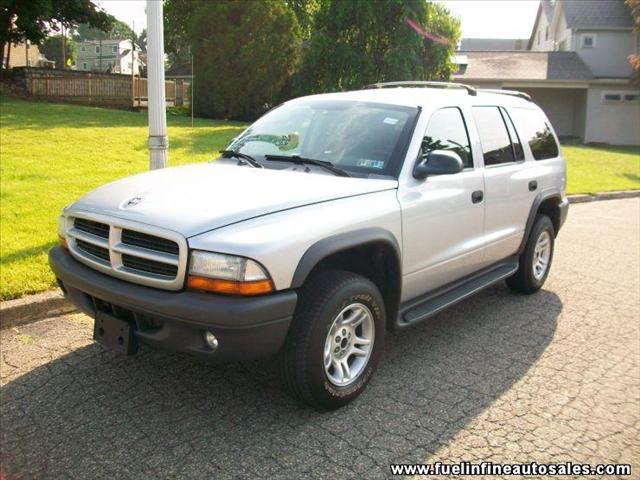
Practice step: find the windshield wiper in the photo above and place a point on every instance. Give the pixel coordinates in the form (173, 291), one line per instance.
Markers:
(242, 156)
(297, 159)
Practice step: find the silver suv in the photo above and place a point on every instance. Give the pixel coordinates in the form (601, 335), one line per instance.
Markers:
(328, 221)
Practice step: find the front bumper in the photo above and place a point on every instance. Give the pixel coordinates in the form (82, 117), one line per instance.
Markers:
(246, 327)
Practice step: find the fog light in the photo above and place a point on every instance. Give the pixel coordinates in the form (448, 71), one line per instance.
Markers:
(211, 340)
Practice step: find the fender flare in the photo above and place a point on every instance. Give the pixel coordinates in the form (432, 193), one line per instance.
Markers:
(343, 241)
(540, 198)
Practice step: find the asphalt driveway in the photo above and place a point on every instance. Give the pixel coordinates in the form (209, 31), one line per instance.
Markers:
(500, 377)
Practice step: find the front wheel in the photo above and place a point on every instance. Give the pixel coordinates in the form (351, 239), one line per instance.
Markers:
(535, 260)
(335, 341)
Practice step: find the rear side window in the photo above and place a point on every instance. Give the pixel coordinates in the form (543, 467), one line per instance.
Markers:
(535, 130)
(496, 144)
(515, 139)
(447, 131)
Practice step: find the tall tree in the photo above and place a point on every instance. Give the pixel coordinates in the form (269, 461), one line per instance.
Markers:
(52, 49)
(117, 31)
(245, 51)
(33, 20)
(356, 42)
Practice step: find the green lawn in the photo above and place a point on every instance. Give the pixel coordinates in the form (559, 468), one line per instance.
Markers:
(52, 154)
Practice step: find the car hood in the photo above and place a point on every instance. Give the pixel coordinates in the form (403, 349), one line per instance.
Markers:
(201, 197)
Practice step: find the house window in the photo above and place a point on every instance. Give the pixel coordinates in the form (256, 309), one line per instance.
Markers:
(84, 65)
(538, 37)
(83, 48)
(546, 33)
(620, 98)
(97, 49)
(588, 41)
(115, 49)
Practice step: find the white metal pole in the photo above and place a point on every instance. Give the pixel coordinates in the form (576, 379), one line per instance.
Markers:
(158, 139)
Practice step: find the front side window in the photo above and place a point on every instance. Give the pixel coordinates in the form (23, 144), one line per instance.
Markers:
(533, 127)
(447, 131)
(496, 145)
(360, 137)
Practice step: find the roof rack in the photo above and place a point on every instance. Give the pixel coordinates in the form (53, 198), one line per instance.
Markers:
(513, 93)
(420, 84)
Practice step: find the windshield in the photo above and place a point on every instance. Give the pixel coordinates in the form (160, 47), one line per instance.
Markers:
(360, 137)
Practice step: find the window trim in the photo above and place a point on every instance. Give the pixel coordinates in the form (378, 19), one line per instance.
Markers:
(506, 117)
(466, 131)
(584, 36)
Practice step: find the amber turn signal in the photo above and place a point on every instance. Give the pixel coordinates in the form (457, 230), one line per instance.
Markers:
(63, 242)
(229, 287)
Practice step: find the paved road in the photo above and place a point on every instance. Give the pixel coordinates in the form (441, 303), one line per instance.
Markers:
(547, 378)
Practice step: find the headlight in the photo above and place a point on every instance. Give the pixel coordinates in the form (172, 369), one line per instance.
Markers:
(62, 232)
(219, 273)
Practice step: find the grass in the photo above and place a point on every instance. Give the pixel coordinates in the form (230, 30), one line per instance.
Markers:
(50, 155)
(592, 169)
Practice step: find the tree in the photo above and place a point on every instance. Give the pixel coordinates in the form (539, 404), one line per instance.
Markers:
(244, 51)
(634, 59)
(33, 20)
(305, 11)
(118, 31)
(52, 49)
(358, 42)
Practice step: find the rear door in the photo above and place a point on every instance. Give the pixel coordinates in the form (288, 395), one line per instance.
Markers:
(510, 183)
(442, 221)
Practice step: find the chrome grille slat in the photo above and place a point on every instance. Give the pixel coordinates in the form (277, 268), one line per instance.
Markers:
(146, 254)
(89, 238)
(138, 253)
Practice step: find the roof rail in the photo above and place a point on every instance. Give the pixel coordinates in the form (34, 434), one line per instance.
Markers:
(513, 93)
(420, 84)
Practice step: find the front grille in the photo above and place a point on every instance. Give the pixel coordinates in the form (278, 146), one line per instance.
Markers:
(94, 250)
(149, 266)
(95, 228)
(155, 257)
(150, 242)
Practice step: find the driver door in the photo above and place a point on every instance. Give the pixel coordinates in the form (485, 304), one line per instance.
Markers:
(442, 216)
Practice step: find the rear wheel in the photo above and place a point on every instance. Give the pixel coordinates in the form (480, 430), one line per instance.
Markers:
(535, 261)
(335, 340)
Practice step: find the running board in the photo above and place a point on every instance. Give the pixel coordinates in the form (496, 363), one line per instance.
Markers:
(429, 305)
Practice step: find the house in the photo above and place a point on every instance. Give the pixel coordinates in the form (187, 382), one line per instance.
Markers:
(113, 56)
(24, 55)
(575, 67)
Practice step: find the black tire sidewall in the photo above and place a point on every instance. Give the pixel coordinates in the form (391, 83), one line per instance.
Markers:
(360, 290)
(542, 223)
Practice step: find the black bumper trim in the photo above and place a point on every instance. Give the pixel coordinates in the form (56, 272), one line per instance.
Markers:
(246, 327)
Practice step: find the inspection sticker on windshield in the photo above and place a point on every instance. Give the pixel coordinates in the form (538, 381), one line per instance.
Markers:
(390, 120)
(365, 162)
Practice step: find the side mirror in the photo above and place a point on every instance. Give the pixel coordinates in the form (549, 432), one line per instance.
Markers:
(438, 162)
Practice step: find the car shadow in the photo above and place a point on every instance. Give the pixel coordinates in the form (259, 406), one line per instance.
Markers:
(90, 414)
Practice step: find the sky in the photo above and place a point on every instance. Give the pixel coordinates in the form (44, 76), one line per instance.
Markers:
(480, 18)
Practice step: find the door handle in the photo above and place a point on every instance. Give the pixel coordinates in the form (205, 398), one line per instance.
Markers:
(477, 196)
(533, 185)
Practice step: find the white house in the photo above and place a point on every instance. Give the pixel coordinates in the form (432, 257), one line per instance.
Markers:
(114, 56)
(575, 67)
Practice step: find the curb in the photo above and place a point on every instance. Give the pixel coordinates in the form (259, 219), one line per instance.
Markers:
(603, 196)
(33, 307)
(52, 303)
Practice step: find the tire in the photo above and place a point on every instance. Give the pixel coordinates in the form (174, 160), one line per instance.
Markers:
(327, 300)
(529, 278)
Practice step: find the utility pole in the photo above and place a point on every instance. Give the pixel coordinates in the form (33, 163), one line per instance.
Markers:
(158, 139)
(64, 53)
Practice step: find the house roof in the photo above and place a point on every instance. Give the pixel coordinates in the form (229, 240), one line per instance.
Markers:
(597, 14)
(493, 44)
(525, 65)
